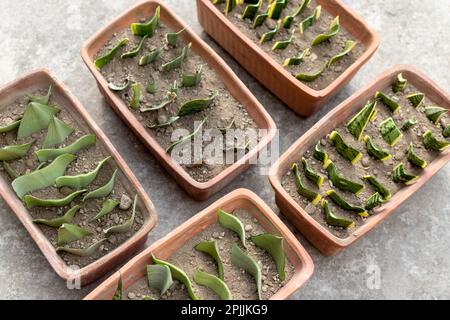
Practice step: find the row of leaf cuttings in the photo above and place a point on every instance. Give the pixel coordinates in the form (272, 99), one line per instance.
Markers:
(161, 273)
(391, 134)
(53, 162)
(274, 10)
(145, 31)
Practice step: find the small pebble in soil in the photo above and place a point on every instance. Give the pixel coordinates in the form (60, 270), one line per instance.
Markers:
(131, 295)
(125, 202)
(215, 235)
(248, 227)
(365, 162)
(162, 118)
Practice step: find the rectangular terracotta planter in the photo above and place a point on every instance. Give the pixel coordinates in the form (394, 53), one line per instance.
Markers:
(296, 95)
(237, 89)
(318, 235)
(165, 247)
(43, 79)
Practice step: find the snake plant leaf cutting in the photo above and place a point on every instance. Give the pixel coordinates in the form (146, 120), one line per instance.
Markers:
(393, 105)
(375, 151)
(192, 80)
(340, 182)
(374, 201)
(242, 260)
(399, 174)
(228, 127)
(434, 114)
(378, 186)
(311, 195)
(409, 124)
(232, 223)
(321, 155)
(287, 20)
(126, 226)
(9, 170)
(268, 36)
(390, 132)
(251, 10)
(36, 117)
(344, 149)
(310, 20)
(136, 94)
(178, 61)
(169, 122)
(41, 99)
(107, 206)
(58, 222)
(118, 293)
(348, 47)
(359, 122)
(399, 84)
(432, 143)
(167, 100)
(10, 127)
(334, 220)
(294, 61)
(100, 62)
(82, 180)
(345, 205)
(187, 137)
(332, 31)
(86, 252)
(311, 175)
(274, 245)
(83, 142)
(446, 131)
(211, 248)
(179, 275)
(414, 158)
(150, 57)
(119, 87)
(172, 37)
(57, 132)
(42, 178)
(14, 152)
(134, 52)
(215, 284)
(104, 190)
(281, 45)
(32, 201)
(259, 20)
(68, 233)
(197, 105)
(275, 9)
(416, 99)
(147, 29)
(309, 77)
(159, 277)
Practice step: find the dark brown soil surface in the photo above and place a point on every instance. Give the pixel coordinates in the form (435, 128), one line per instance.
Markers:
(87, 160)
(224, 109)
(319, 54)
(241, 284)
(368, 165)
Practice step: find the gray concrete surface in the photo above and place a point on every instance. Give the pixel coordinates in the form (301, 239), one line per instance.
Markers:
(410, 249)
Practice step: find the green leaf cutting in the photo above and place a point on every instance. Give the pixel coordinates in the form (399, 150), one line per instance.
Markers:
(215, 284)
(103, 60)
(58, 222)
(240, 259)
(334, 220)
(107, 206)
(342, 183)
(83, 142)
(148, 28)
(103, 191)
(14, 152)
(159, 277)
(57, 132)
(211, 248)
(274, 245)
(82, 180)
(32, 201)
(232, 223)
(390, 132)
(333, 30)
(311, 195)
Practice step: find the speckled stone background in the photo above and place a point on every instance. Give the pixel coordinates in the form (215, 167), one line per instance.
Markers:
(410, 250)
